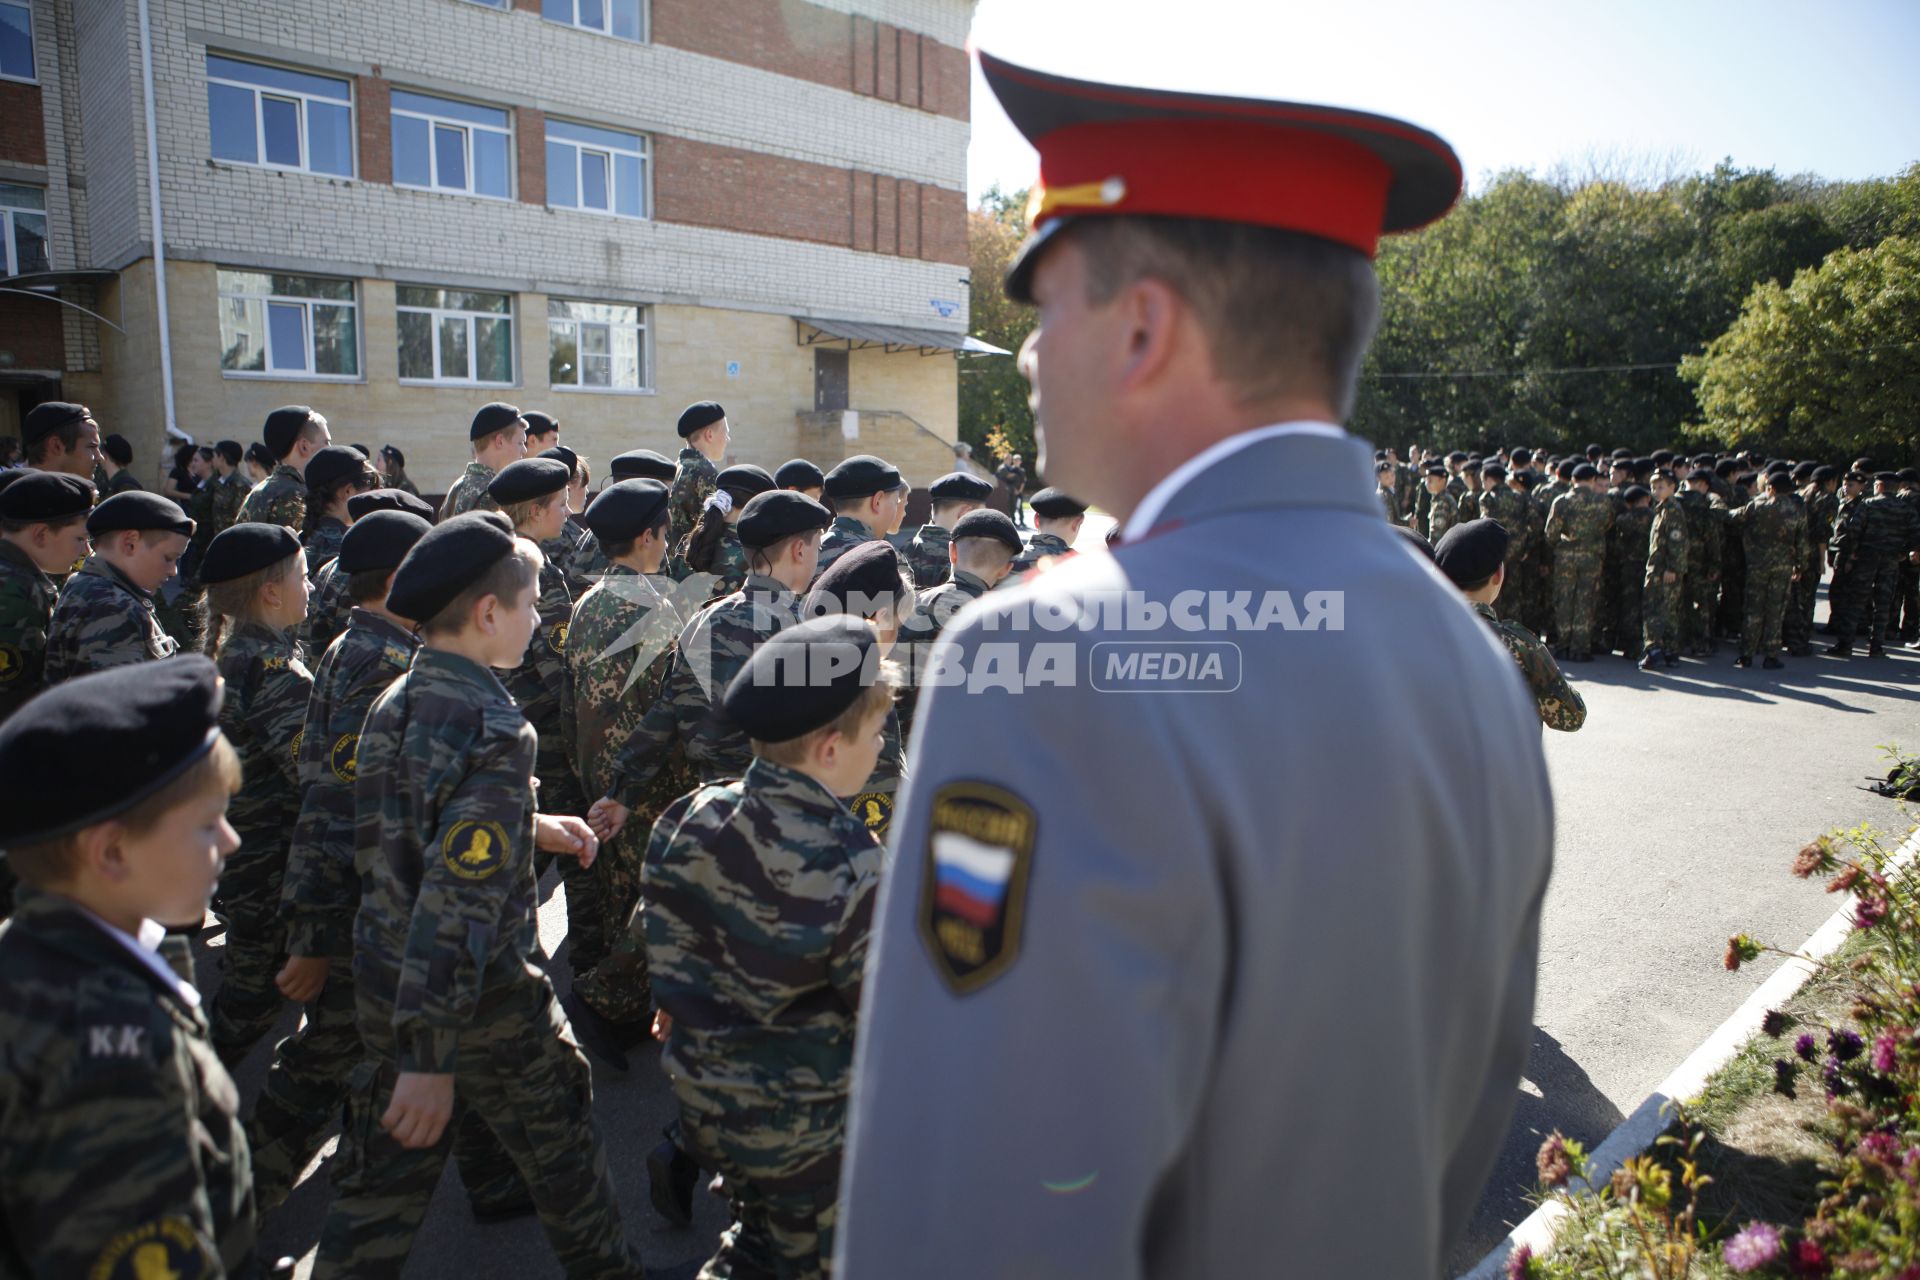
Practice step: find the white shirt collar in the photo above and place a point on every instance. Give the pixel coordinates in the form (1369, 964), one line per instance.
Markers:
(1147, 514)
(146, 949)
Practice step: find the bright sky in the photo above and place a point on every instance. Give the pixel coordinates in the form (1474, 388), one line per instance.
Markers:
(1830, 87)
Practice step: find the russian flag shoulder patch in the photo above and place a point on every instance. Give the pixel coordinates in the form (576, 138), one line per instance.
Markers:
(973, 889)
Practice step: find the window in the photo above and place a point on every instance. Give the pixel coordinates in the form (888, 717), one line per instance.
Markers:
(623, 18)
(288, 326)
(596, 169)
(454, 335)
(279, 118)
(16, 41)
(450, 146)
(23, 223)
(597, 346)
(491, 4)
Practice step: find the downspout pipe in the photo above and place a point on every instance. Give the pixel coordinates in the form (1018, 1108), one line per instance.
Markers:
(159, 223)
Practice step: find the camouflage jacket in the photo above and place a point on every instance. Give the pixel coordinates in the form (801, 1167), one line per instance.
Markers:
(1578, 523)
(327, 608)
(200, 508)
(321, 890)
(843, 535)
(400, 481)
(1389, 506)
(1510, 509)
(1667, 540)
(729, 567)
(1560, 705)
(1773, 532)
(1548, 492)
(1822, 507)
(712, 647)
(1630, 532)
(931, 614)
(759, 898)
(1443, 512)
(1039, 547)
(229, 493)
(121, 1150)
(443, 816)
(874, 803)
(564, 549)
(121, 481)
(1703, 533)
(692, 485)
(323, 544)
(540, 683)
(102, 620)
(279, 499)
(262, 714)
(26, 609)
(469, 492)
(587, 565)
(619, 652)
(1889, 526)
(927, 556)
(1469, 506)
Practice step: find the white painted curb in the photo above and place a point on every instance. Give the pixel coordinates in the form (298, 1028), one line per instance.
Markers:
(1649, 1120)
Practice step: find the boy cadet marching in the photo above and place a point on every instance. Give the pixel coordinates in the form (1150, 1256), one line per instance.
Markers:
(1057, 518)
(331, 601)
(713, 545)
(43, 531)
(953, 496)
(460, 1026)
(121, 1152)
(704, 436)
(105, 614)
(871, 583)
(1473, 555)
(1663, 596)
(979, 557)
(1774, 529)
(293, 434)
(498, 435)
(869, 499)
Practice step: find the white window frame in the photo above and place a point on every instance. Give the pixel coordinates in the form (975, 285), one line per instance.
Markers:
(644, 324)
(33, 41)
(606, 10)
(261, 92)
(306, 304)
(502, 6)
(437, 314)
(644, 154)
(466, 128)
(7, 211)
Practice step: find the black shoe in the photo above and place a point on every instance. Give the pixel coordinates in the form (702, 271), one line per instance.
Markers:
(1651, 662)
(594, 1031)
(1773, 664)
(1745, 661)
(1841, 650)
(671, 1175)
(519, 1206)
(1876, 651)
(1670, 658)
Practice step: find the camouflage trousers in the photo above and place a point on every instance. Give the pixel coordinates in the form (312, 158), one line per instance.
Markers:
(255, 947)
(1734, 571)
(589, 927)
(1576, 587)
(1866, 596)
(1629, 600)
(617, 986)
(1765, 609)
(781, 1162)
(1660, 606)
(306, 1086)
(1905, 621)
(1536, 598)
(1696, 614)
(519, 1075)
(1510, 604)
(1797, 628)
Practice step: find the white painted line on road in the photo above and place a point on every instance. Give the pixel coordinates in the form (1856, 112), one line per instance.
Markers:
(1649, 1120)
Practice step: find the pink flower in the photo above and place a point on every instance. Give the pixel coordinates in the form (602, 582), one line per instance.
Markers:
(1886, 1054)
(1552, 1162)
(1869, 911)
(1758, 1245)
(1520, 1263)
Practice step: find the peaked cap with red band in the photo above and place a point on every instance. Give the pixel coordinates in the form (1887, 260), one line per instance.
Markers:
(1110, 150)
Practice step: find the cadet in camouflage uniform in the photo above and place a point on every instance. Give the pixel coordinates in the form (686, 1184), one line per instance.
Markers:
(459, 1021)
(1774, 530)
(42, 532)
(953, 496)
(393, 471)
(1442, 506)
(869, 499)
(1704, 543)
(1383, 485)
(499, 437)
(292, 434)
(1474, 556)
(228, 485)
(321, 891)
(704, 435)
(121, 1153)
(329, 604)
(1822, 504)
(1469, 499)
(334, 475)
(1057, 520)
(1012, 473)
(1879, 535)
(105, 616)
(1631, 530)
(871, 583)
(1662, 597)
(1577, 529)
(565, 547)
(257, 592)
(984, 545)
(712, 547)
(1534, 588)
(1498, 502)
(760, 897)
(1841, 550)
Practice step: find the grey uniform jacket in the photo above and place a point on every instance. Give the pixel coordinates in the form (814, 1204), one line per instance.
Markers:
(1207, 984)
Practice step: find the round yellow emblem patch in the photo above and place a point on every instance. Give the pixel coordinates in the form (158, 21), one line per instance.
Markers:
(345, 757)
(475, 850)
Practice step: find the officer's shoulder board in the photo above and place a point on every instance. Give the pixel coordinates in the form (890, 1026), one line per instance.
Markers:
(973, 888)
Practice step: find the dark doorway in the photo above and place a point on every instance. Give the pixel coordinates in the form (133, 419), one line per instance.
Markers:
(829, 381)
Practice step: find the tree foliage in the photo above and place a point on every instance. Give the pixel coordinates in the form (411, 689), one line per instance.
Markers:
(993, 395)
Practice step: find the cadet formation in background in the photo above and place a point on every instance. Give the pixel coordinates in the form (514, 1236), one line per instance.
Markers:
(393, 693)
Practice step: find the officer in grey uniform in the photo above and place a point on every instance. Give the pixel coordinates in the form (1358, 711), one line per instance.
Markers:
(1100, 1034)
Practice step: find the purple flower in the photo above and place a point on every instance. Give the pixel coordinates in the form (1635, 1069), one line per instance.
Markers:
(1846, 1045)
(1783, 1071)
(1806, 1046)
(1886, 1054)
(1519, 1263)
(1774, 1023)
(1830, 1076)
(1869, 911)
(1755, 1246)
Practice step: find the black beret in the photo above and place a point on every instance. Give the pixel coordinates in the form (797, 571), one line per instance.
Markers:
(799, 474)
(1661, 457)
(1778, 466)
(249, 547)
(34, 496)
(695, 416)
(803, 678)
(1620, 464)
(538, 423)
(1055, 505)
(777, 514)
(1469, 553)
(1803, 470)
(362, 505)
(1493, 471)
(334, 464)
(380, 541)
(1527, 479)
(1908, 473)
(1887, 477)
(745, 478)
(1666, 475)
(231, 451)
(115, 446)
(1704, 459)
(861, 581)
(987, 524)
(1382, 468)
(283, 427)
(642, 464)
(447, 560)
(1521, 455)
(1585, 471)
(388, 451)
(558, 452)
(1594, 448)
(1822, 474)
(1857, 476)
(48, 417)
(1635, 492)
(862, 476)
(497, 416)
(527, 479)
(1864, 465)
(1414, 539)
(1779, 480)
(139, 510)
(960, 486)
(1623, 452)
(1458, 455)
(362, 450)
(140, 727)
(625, 510)
(1436, 469)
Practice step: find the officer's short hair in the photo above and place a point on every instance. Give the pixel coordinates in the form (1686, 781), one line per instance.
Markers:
(509, 577)
(368, 585)
(50, 863)
(986, 553)
(1278, 307)
(873, 698)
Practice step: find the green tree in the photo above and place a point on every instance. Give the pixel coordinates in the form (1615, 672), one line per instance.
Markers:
(1828, 364)
(993, 395)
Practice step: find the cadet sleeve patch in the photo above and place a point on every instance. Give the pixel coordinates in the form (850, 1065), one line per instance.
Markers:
(166, 1247)
(875, 808)
(475, 850)
(11, 666)
(973, 889)
(557, 637)
(299, 736)
(345, 757)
